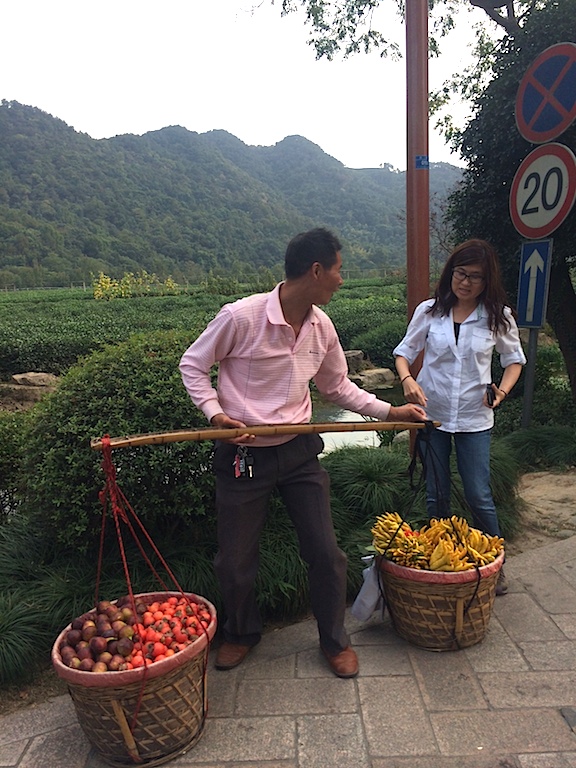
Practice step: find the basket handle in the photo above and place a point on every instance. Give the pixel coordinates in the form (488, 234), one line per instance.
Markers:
(126, 732)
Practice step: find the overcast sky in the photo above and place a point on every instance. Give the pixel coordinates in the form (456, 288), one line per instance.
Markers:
(132, 66)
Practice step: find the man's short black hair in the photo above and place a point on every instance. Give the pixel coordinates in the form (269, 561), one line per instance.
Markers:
(308, 247)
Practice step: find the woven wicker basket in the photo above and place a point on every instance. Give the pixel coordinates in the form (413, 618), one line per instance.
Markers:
(172, 695)
(440, 611)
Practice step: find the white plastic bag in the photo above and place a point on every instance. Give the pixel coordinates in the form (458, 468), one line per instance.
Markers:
(369, 599)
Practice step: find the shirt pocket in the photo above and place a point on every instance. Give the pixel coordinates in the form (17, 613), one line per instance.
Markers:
(438, 345)
(482, 340)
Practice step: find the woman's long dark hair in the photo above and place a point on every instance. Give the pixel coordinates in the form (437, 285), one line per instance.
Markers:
(493, 296)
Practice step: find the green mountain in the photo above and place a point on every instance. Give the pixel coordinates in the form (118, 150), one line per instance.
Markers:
(175, 202)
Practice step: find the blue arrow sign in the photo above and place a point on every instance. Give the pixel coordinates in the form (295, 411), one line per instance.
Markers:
(535, 263)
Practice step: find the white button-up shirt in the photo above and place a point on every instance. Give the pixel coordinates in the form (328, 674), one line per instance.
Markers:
(454, 375)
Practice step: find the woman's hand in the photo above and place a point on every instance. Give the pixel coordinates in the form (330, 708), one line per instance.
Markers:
(413, 392)
(499, 396)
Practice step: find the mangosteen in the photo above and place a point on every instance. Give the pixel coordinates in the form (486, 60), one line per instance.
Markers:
(125, 646)
(118, 625)
(88, 630)
(83, 651)
(98, 645)
(73, 636)
(126, 631)
(116, 662)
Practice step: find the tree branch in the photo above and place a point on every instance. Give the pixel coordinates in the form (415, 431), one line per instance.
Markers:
(509, 22)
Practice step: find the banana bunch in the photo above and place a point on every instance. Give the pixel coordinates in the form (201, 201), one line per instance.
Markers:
(445, 544)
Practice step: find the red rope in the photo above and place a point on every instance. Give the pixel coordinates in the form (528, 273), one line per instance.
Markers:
(112, 497)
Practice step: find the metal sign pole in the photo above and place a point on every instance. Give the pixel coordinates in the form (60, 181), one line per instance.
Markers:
(530, 377)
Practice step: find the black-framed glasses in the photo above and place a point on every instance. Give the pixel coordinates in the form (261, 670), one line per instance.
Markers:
(474, 278)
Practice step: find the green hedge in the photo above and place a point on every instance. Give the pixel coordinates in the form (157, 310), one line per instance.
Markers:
(130, 388)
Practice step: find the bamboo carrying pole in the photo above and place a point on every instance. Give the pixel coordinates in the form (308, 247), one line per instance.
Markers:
(214, 433)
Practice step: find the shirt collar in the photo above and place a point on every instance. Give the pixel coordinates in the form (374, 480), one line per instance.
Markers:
(274, 308)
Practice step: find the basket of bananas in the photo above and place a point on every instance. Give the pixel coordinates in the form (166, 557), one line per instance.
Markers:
(439, 581)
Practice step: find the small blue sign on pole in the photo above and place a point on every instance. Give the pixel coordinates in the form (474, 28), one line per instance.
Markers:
(533, 281)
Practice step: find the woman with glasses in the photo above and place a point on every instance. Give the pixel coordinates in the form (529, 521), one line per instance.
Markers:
(458, 331)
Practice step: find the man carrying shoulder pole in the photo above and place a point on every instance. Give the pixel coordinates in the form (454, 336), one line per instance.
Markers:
(269, 347)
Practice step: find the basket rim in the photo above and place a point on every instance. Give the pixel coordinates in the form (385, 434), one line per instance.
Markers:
(441, 577)
(157, 669)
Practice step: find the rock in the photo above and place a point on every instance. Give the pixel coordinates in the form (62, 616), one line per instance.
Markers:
(355, 360)
(33, 379)
(401, 437)
(374, 378)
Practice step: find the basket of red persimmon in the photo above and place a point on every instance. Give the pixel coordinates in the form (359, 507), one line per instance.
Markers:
(438, 581)
(136, 672)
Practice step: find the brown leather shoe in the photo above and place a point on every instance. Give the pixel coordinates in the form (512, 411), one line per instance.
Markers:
(230, 655)
(343, 664)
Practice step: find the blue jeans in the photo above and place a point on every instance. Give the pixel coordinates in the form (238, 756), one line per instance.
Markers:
(473, 461)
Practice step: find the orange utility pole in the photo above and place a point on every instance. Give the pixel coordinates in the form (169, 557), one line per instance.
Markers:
(417, 175)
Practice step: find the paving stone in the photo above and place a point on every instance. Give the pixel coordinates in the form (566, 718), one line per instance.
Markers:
(296, 697)
(554, 655)
(541, 559)
(503, 732)
(332, 741)
(496, 652)
(311, 663)
(530, 689)
(566, 622)
(11, 753)
(381, 632)
(568, 572)
(183, 763)
(441, 761)
(548, 760)
(59, 749)
(447, 681)
(375, 660)
(272, 669)
(222, 687)
(554, 594)
(395, 720)
(523, 619)
(284, 640)
(241, 739)
(37, 719)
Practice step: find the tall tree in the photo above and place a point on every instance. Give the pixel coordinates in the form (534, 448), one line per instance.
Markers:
(493, 149)
(349, 26)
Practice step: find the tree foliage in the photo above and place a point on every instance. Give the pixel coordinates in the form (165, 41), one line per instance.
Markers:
(350, 26)
(180, 204)
(493, 149)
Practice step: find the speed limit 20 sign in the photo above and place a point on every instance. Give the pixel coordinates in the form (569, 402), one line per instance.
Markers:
(543, 190)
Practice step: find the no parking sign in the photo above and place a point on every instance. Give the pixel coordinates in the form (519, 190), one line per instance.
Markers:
(546, 98)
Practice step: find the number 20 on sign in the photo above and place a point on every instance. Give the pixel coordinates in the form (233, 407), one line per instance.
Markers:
(543, 190)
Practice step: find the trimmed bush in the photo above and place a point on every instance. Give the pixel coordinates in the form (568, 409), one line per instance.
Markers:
(11, 447)
(378, 343)
(131, 388)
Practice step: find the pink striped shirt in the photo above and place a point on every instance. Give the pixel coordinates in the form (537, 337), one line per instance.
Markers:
(264, 370)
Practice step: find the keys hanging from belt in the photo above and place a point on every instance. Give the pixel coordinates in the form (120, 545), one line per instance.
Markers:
(243, 462)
